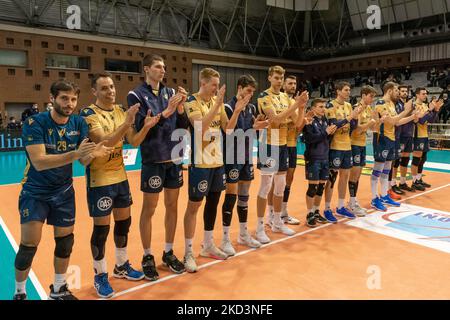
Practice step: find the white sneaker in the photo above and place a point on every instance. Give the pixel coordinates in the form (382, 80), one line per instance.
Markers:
(189, 263)
(227, 247)
(357, 210)
(269, 217)
(262, 237)
(283, 229)
(211, 251)
(289, 219)
(249, 241)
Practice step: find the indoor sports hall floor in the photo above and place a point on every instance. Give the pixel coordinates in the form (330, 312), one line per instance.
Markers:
(401, 254)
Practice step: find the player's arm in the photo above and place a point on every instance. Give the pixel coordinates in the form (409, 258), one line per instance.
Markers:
(135, 138)
(403, 114)
(230, 124)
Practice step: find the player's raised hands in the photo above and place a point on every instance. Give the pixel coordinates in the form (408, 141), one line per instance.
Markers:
(150, 121)
(220, 96)
(331, 129)
(101, 150)
(242, 102)
(302, 99)
(131, 114)
(85, 148)
(408, 105)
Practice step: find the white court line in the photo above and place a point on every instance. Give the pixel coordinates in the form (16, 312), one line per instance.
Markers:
(206, 265)
(40, 290)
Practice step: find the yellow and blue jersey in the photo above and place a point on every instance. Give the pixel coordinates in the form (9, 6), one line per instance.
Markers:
(57, 139)
(337, 113)
(108, 170)
(385, 129)
(359, 138)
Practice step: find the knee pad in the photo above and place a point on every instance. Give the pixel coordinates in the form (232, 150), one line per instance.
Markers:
(387, 166)
(424, 157)
(98, 241)
(64, 245)
(24, 257)
(279, 182)
(416, 161)
(121, 229)
(333, 177)
(320, 188)
(404, 161)
(243, 194)
(265, 186)
(312, 190)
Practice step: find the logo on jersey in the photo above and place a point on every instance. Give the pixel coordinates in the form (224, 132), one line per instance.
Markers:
(421, 146)
(337, 162)
(104, 203)
(30, 122)
(50, 132)
(155, 182)
(385, 153)
(357, 159)
(25, 213)
(270, 163)
(73, 133)
(233, 174)
(202, 186)
(166, 97)
(62, 132)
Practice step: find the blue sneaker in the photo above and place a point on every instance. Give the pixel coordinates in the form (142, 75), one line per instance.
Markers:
(388, 200)
(102, 286)
(343, 212)
(127, 272)
(378, 204)
(329, 216)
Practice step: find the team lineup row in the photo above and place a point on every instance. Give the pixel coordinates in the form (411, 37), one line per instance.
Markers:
(334, 134)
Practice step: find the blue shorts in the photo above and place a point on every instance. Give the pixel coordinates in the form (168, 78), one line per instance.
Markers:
(156, 176)
(317, 170)
(292, 157)
(102, 200)
(421, 144)
(205, 180)
(239, 172)
(406, 144)
(340, 159)
(58, 209)
(359, 156)
(383, 148)
(398, 149)
(277, 163)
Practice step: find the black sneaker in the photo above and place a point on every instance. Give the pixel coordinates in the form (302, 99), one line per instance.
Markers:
(20, 296)
(311, 220)
(149, 268)
(404, 186)
(63, 294)
(397, 190)
(171, 261)
(319, 218)
(426, 185)
(417, 186)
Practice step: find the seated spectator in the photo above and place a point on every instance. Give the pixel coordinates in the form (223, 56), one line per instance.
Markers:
(13, 124)
(30, 111)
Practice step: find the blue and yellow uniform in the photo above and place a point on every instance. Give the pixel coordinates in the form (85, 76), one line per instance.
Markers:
(421, 128)
(292, 136)
(206, 172)
(239, 169)
(384, 133)
(106, 178)
(359, 138)
(159, 170)
(340, 146)
(49, 194)
(274, 150)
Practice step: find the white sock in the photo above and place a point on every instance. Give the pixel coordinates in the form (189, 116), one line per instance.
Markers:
(384, 186)
(100, 266)
(419, 176)
(121, 256)
(327, 205)
(260, 225)
(393, 183)
(243, 228)
(402, 180)
(314, 208)
(208, 238)
(147, 252)
(168, 246)
(188, 245)
(284, 209)
(60, 280)
(277, 218)
(226, 233)
(352, 201)
(374, 186)
(415, 178)
(341, 203)
(270, 209)
(21, 286)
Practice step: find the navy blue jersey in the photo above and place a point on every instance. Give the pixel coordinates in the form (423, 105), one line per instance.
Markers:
(316, 139)
(57, 139)
(157, 145)
(244, 122)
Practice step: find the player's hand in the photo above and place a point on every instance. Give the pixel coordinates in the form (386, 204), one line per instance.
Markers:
(436, 105)
(150, 121)
(331, 129)
(182, 91)
(356, 112)
(409, 105)
(174, 101)
(131, 114)
(101, 150)
(242, 102)
(220, 96)
(260, 122)
(302, 99)
(85, 148)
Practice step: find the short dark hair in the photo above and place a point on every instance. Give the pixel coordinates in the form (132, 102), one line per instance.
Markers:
(246, 80)
(149, 59)
(388, 86)
(63, 85)
(291, 77)
(317, 101)
(342, 84)
(98, 76)
(403, 86)
(420, 89)
(368, 90)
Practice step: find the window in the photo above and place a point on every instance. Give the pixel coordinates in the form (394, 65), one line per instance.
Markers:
(37, 87)
(184, 70)
(46, 73)
(369, 63)
(13, 58)
(104, 50)
(174, 58)
(174, 81)
(44, 44)
(129, 53)
(29, 73)
(141, 54)
(184, 81)
(90, 49)
(388, 61)
(62, 74)
(184, 59)
(117, 52)
(130, 78)
(117, 77)
(76, 75)
(63, 61)
(174, 69)
(11, 72)
(76, 47)
(122, 66)
(9, 41)
(60, 46)
(27, 43)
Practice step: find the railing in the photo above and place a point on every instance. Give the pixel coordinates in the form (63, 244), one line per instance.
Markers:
(440, 132)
